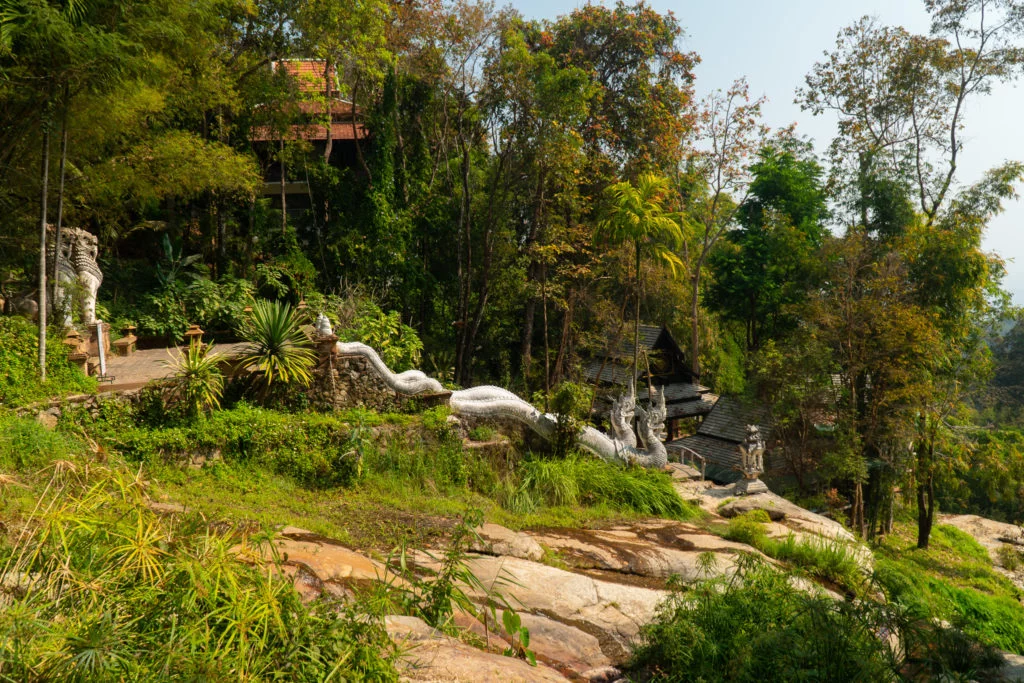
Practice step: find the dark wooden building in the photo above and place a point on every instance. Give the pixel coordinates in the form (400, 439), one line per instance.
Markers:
(719, 436)
(668, 371)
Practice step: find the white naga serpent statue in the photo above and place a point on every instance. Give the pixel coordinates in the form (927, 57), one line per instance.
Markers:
(497, 403)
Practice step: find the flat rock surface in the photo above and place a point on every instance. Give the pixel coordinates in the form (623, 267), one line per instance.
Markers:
(1013, 668)
(327, 560)
(429, 655)
(612, 612)
(655, 549)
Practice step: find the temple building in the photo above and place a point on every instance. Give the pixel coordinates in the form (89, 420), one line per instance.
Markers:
(320, 89)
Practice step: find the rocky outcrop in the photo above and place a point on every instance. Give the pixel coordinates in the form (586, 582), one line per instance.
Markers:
(722, 500)
(611, 612)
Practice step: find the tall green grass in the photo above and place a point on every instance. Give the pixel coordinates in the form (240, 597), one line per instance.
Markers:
(580, 480)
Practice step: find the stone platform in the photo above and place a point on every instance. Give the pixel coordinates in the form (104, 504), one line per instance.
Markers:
(142, 367)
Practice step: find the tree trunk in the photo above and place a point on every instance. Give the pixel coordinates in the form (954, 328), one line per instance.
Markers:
(355, 137)
(925, 490)
(60, 197)
(563, 342)
(44, 182)
(329, 144)
(527, 339)
(284, 208)
(547, 349)
(857, 510)
(925, 509)
(473, 328)
(222, 235)
(636, 319)
(465, 265)
(695, 324)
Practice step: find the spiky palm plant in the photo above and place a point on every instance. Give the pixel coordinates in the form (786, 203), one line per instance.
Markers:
(197, 383)
(277, 350)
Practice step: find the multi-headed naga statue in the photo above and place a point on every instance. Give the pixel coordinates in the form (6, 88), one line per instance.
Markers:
(77, 273)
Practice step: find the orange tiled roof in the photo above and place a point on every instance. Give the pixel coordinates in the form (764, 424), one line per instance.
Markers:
(310, 76)
(308, 72)
(313, 132)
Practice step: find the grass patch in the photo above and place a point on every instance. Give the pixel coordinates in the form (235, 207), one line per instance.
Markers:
(374, 481)
(953, 580)
(829, 560)
(482, 433)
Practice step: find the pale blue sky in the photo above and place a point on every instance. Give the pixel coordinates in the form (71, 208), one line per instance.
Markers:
(774, 43)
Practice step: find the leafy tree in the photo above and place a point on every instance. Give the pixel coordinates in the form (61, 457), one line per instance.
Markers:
(643, 107)
(765, 267)
(714, 183)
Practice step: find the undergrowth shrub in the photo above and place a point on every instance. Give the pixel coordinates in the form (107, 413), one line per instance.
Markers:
(102, 588)
(581, 480)
(756, 626)
(19, 365)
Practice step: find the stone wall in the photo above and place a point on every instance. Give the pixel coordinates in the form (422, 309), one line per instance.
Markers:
(343, 381)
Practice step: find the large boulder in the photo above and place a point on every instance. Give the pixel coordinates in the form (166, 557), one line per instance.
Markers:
(494, 539)
(781, 510)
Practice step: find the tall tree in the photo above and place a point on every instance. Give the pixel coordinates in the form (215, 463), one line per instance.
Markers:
(638, 214)
(714, 183)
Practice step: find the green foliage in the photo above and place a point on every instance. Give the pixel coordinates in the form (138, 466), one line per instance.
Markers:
(482, 433)
(278, 351)
(397, 344)
(197, 383)
(102, 588)
(580, 480)
(316, 450)
(765, 268)
(756, 626)
(993, 484)
(570, 402)
(19, 372)
(215, 305)
(27, 446)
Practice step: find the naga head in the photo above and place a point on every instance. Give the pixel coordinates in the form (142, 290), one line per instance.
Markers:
(658, 412)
